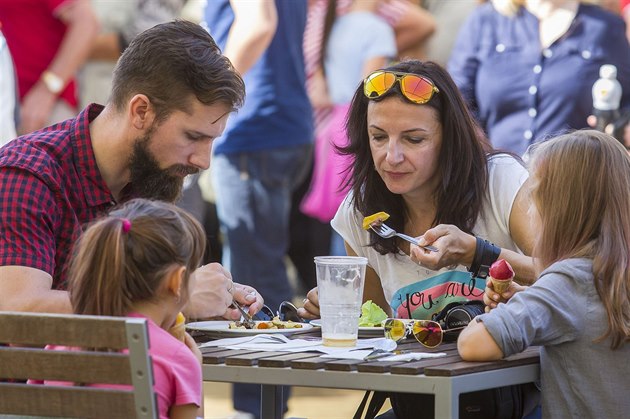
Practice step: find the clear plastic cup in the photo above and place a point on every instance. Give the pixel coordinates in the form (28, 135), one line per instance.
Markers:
(340, 281)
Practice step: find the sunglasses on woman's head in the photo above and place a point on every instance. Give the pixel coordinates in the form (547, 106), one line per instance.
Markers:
(415, 88)
(427, 332)
(286, 311)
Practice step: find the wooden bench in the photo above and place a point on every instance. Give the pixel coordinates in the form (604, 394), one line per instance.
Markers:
(25, 358)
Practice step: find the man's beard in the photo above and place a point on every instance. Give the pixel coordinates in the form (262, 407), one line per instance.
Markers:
(151, 182)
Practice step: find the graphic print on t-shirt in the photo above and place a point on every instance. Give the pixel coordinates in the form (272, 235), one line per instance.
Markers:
(425, 298)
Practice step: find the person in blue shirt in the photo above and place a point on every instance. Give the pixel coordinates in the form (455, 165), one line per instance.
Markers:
(266, 148)
(527, 67)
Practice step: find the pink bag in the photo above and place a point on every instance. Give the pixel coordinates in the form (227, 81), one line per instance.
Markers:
(324, 195)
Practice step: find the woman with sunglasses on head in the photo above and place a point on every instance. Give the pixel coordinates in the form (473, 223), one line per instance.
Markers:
(579, 308)
(419, 156)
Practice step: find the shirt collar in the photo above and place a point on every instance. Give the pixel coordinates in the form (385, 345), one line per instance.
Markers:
(95, 189)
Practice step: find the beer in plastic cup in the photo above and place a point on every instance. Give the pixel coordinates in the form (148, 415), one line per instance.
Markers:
(340, 281)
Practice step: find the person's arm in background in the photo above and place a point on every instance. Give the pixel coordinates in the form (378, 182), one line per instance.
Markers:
(109, 46)
(625, 13)
(254, 26)
(8, 94)
(412, 25)
(82, 28)
(617, 52)
(464, 61)
(623, 70)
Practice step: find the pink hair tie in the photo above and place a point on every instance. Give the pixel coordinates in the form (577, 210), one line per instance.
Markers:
(126, 225)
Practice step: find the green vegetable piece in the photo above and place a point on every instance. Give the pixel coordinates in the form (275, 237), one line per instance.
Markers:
(371, 315)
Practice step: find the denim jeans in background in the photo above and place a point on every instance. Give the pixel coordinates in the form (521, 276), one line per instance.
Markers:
(253, 197)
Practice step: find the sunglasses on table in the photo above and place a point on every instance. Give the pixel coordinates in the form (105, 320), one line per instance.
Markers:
(428, 332)
(415, 88)
(286, 311)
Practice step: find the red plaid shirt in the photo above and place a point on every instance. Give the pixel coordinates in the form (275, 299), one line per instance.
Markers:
(50, 187)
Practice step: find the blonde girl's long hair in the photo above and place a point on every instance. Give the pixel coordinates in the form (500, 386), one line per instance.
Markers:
(581, 189)
(123, 258)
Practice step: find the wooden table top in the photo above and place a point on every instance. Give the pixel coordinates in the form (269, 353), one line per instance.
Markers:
(449, 366)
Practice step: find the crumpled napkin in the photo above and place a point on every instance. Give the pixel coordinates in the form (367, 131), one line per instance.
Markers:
(263, 342)
(280, 343)
(359, 355)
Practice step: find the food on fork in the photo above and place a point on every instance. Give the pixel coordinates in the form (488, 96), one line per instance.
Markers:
(276, 323)
(501, 274)
(179, 328)
(377, 218)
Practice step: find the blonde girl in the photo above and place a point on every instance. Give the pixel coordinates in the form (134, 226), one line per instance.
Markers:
(579, 308)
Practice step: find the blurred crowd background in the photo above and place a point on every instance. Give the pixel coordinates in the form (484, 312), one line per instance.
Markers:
(57, 56)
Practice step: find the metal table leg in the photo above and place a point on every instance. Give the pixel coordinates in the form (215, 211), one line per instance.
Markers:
(271, 402)
(446, 402)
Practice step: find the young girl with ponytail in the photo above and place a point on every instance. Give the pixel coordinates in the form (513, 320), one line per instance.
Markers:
(137, 262)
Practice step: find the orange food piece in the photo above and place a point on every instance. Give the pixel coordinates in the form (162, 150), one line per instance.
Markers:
(379, 217)
(179, 328)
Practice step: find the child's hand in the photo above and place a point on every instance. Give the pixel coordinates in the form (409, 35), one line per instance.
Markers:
(491, 299)
(192, 345)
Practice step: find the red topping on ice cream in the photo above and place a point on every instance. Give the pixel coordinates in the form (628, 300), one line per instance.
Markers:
(501, 269)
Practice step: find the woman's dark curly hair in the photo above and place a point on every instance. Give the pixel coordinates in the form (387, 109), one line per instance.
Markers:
(462, 159)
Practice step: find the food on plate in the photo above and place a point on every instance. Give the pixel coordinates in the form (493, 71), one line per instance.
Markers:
(371, 315)
(179, 328)
(501, 274)
(275, 323)
(377, 218)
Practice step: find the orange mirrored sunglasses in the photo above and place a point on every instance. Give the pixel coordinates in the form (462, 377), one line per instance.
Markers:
(428, 332)
(415, 88)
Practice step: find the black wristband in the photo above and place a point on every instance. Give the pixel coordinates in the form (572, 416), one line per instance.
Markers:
(486, 254)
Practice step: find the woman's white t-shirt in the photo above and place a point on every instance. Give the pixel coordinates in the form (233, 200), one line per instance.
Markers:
(417, 292)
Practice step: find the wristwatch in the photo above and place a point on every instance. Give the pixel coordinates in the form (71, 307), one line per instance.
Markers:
(53, 82)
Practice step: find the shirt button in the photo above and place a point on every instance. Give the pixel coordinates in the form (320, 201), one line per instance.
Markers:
(528, 135)
(532, 112)
(533, 90)
(586, 54)
(537, 69)
(547, 53)
(500, 48)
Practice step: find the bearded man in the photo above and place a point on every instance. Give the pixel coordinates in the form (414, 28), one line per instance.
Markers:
(171, 96)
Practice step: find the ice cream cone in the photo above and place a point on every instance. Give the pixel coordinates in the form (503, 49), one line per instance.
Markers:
(501, 275)
(500, 285)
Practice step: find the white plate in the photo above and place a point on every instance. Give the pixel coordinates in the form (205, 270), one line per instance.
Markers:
(363, 331)
(222, 327)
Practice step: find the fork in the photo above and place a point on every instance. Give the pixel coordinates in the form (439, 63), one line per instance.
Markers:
(247, 318)
(387, 232)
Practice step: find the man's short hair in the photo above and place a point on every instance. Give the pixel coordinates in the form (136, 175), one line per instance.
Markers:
(169, 63)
